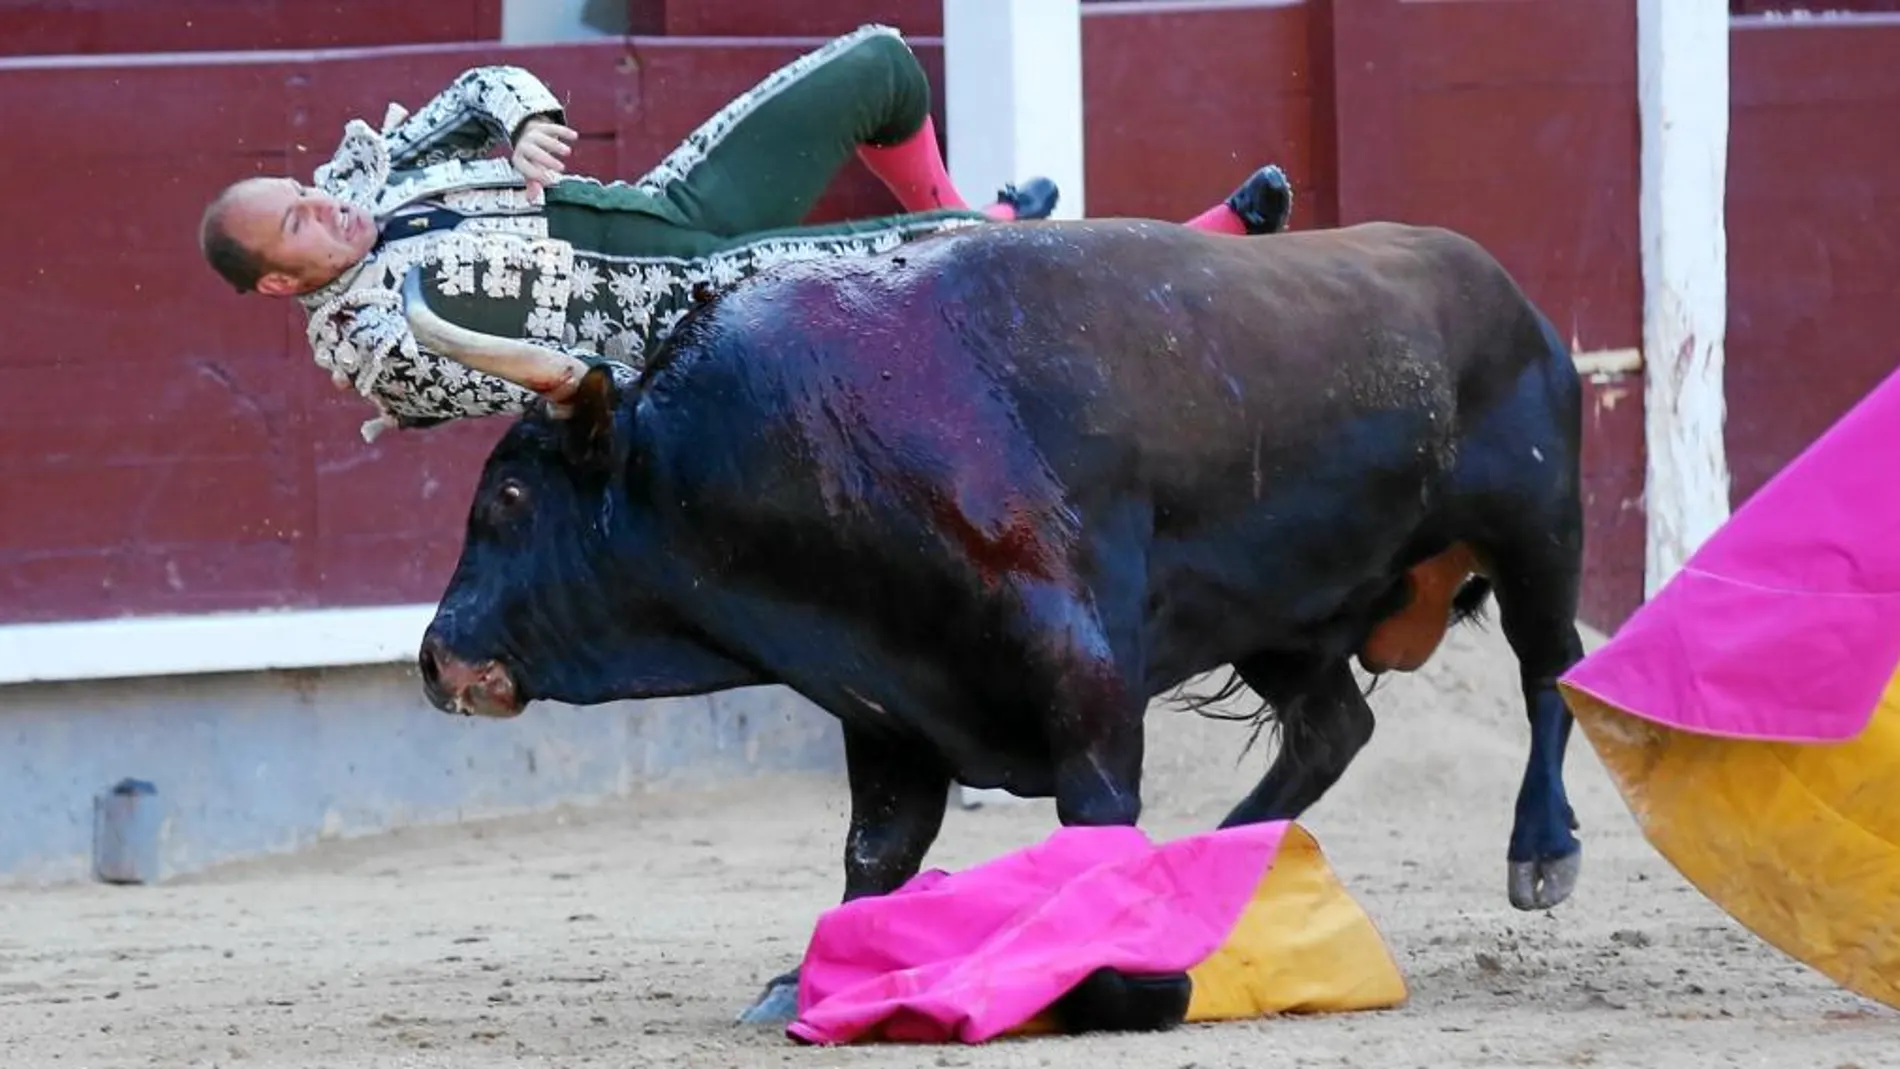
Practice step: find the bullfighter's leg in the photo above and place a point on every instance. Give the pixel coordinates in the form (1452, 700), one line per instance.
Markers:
(762, 161)
(1263, 204)
(898, 798)
(1324, 721)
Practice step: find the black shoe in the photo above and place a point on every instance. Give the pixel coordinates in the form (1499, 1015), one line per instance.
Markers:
(1034, 199)
(1264, 201)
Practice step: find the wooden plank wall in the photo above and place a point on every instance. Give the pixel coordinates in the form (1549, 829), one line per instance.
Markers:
(179, 453)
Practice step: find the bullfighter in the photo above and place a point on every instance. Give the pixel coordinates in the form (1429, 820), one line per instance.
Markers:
(519, 248)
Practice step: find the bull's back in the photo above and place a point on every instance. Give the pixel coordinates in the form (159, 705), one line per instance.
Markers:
(1216, 366)
(1126, 355)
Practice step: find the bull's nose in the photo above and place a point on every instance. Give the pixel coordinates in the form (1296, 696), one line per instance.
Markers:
(429, 662)
(455, 686)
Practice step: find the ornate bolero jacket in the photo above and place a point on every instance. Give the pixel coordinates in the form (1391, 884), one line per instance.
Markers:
(500, 250)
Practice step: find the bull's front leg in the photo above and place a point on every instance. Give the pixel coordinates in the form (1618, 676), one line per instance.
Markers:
(1095, 729)
(1095, 736)
(1081, 636)
(899, 791)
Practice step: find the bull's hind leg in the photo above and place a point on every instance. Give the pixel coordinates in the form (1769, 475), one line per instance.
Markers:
(1324, 722)
(1537, 600)
(1518, 482)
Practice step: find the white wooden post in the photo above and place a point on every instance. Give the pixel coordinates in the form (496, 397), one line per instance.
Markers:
(1012, 72)
(1683, 92)
(540, 22)
(1013, 96)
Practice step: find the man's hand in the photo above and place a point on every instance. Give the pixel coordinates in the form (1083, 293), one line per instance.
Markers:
(541, 151)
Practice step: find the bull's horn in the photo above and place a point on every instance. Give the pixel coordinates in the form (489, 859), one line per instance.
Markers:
(548, 372)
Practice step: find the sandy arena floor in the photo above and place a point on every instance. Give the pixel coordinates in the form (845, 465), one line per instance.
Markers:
(630, 935)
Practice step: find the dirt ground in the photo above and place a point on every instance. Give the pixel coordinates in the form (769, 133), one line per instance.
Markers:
(630, 935)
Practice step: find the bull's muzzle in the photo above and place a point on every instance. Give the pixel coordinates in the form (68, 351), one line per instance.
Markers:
(455, 686)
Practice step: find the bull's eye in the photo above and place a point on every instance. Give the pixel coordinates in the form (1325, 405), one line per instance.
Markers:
(510, 498)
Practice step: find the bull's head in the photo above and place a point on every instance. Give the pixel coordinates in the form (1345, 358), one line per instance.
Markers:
(561, 589)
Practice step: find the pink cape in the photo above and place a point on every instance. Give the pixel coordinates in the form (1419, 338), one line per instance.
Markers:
(1785, 624)
(971, 955)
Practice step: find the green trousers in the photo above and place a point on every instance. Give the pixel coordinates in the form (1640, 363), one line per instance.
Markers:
(728, 201)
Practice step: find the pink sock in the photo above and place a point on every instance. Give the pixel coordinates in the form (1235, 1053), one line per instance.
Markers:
(1219, 219)
(913, 170)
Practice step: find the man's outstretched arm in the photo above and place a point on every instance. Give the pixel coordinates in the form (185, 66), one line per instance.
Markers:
(483, 109)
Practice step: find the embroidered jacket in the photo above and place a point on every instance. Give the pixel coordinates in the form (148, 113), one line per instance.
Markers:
(356, 328)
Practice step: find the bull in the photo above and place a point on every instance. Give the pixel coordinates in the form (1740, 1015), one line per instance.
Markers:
(984, 497)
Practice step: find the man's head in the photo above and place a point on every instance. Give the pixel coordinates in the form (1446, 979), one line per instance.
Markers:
(279, 237)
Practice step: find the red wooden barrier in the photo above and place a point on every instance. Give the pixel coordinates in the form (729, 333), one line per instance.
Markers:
(169, 447)
(92, 27)
(1515, 121)
(780, 18)
(1781, 7)
(1183, 104)
(823, 18)
(1813, 202)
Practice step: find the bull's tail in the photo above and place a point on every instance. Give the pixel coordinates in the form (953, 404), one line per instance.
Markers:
(1468, 604)
(1284, 688)
(1263, 716)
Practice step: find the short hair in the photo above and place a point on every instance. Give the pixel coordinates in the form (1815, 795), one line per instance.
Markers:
(239, 266)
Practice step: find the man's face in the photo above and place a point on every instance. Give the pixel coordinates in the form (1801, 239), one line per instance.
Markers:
(306, 235)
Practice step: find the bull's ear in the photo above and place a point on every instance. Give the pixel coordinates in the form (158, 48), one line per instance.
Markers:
(590, 419)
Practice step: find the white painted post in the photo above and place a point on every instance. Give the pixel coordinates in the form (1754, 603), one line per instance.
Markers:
(541, 22)
(1012, 72)
(1013, 96)
(1683, 92)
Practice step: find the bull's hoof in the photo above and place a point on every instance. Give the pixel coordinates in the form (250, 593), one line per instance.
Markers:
(1543, 884)
(777, 1005)
(1110, 1001)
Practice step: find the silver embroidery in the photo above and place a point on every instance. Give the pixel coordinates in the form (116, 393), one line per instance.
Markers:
(495, 201)
(646, 296)
(594, 326)
(361, 337)
(476, 114)
(585, 281)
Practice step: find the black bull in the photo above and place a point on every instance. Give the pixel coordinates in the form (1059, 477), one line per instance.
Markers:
(984, 497)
